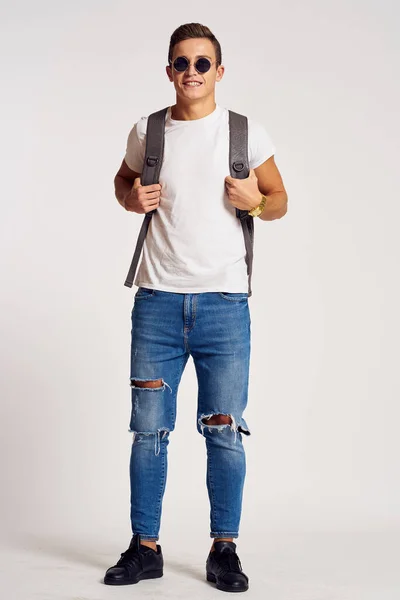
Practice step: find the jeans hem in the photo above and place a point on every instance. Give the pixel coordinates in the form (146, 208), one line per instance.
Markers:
(214, 534)
(147, 538)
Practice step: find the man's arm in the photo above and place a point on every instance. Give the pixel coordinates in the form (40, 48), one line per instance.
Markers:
(271, 185)
(123, 182)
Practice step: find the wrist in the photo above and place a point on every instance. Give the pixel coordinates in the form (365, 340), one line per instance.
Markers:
(257, 210)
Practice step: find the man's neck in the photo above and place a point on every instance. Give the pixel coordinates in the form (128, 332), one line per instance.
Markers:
(191, 112)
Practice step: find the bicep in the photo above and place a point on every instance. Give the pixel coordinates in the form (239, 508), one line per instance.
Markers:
(269, 177)
(126, 172)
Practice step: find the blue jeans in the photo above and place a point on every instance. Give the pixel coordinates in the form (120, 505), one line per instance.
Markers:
(168, 327)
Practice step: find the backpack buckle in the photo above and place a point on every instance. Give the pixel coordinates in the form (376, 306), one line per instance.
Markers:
(238, 166)
(152, 161)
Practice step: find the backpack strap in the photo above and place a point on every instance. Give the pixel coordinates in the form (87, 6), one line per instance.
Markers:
(238, 165)
(239, 168)
(150, 174)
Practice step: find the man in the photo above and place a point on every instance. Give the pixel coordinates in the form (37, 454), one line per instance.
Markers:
(192, 300)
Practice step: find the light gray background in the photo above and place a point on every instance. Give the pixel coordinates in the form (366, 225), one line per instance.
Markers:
(321, 504)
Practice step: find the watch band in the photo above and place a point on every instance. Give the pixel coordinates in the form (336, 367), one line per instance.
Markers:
(254, 212)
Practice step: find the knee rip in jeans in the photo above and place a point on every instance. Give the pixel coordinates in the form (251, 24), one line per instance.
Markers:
(150, 385)
(219, 422)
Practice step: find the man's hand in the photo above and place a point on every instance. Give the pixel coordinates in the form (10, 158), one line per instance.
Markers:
(243, 193)
(143, 198)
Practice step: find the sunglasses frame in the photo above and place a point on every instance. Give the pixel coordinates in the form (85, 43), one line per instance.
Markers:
(172, 63)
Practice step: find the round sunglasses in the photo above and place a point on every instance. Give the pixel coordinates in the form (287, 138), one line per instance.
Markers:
(202, 65)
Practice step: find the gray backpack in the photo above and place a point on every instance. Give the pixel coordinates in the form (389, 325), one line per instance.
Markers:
(239, 168)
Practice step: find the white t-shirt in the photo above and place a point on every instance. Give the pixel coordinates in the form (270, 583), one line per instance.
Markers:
(195, 242)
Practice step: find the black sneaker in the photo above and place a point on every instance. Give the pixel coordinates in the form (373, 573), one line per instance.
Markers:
(136, 563)
(223, 568)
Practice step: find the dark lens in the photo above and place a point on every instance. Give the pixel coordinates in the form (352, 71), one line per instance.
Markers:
(203, 65)
(181, 63)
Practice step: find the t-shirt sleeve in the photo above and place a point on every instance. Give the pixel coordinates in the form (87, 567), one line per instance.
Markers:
(261, 147)
(136, 146)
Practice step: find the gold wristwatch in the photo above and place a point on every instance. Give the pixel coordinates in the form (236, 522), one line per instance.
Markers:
(254, 212)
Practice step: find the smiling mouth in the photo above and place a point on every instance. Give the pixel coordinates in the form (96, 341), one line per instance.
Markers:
(195, 84)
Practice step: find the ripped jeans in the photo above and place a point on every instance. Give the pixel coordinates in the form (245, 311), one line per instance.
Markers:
(168, 327)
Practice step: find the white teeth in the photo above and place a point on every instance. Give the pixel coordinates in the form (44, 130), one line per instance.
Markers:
(192, 83)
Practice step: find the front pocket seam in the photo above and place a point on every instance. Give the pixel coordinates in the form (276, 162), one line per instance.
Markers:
(139, 296)
(233, 299)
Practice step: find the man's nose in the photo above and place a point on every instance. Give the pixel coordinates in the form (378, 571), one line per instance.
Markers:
(191, 70)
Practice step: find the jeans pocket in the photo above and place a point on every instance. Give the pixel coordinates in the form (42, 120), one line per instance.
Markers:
(234, 296)
(144, 292)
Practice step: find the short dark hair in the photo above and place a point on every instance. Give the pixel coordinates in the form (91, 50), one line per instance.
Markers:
(194, 30)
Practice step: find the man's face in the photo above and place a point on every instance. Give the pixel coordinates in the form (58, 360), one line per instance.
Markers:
(193, 49)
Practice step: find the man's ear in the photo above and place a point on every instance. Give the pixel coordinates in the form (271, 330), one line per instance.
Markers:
(220, 73)
(169, 72)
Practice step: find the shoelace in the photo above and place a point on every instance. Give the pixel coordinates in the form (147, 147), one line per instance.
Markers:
(130, 558)
(229, 561)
